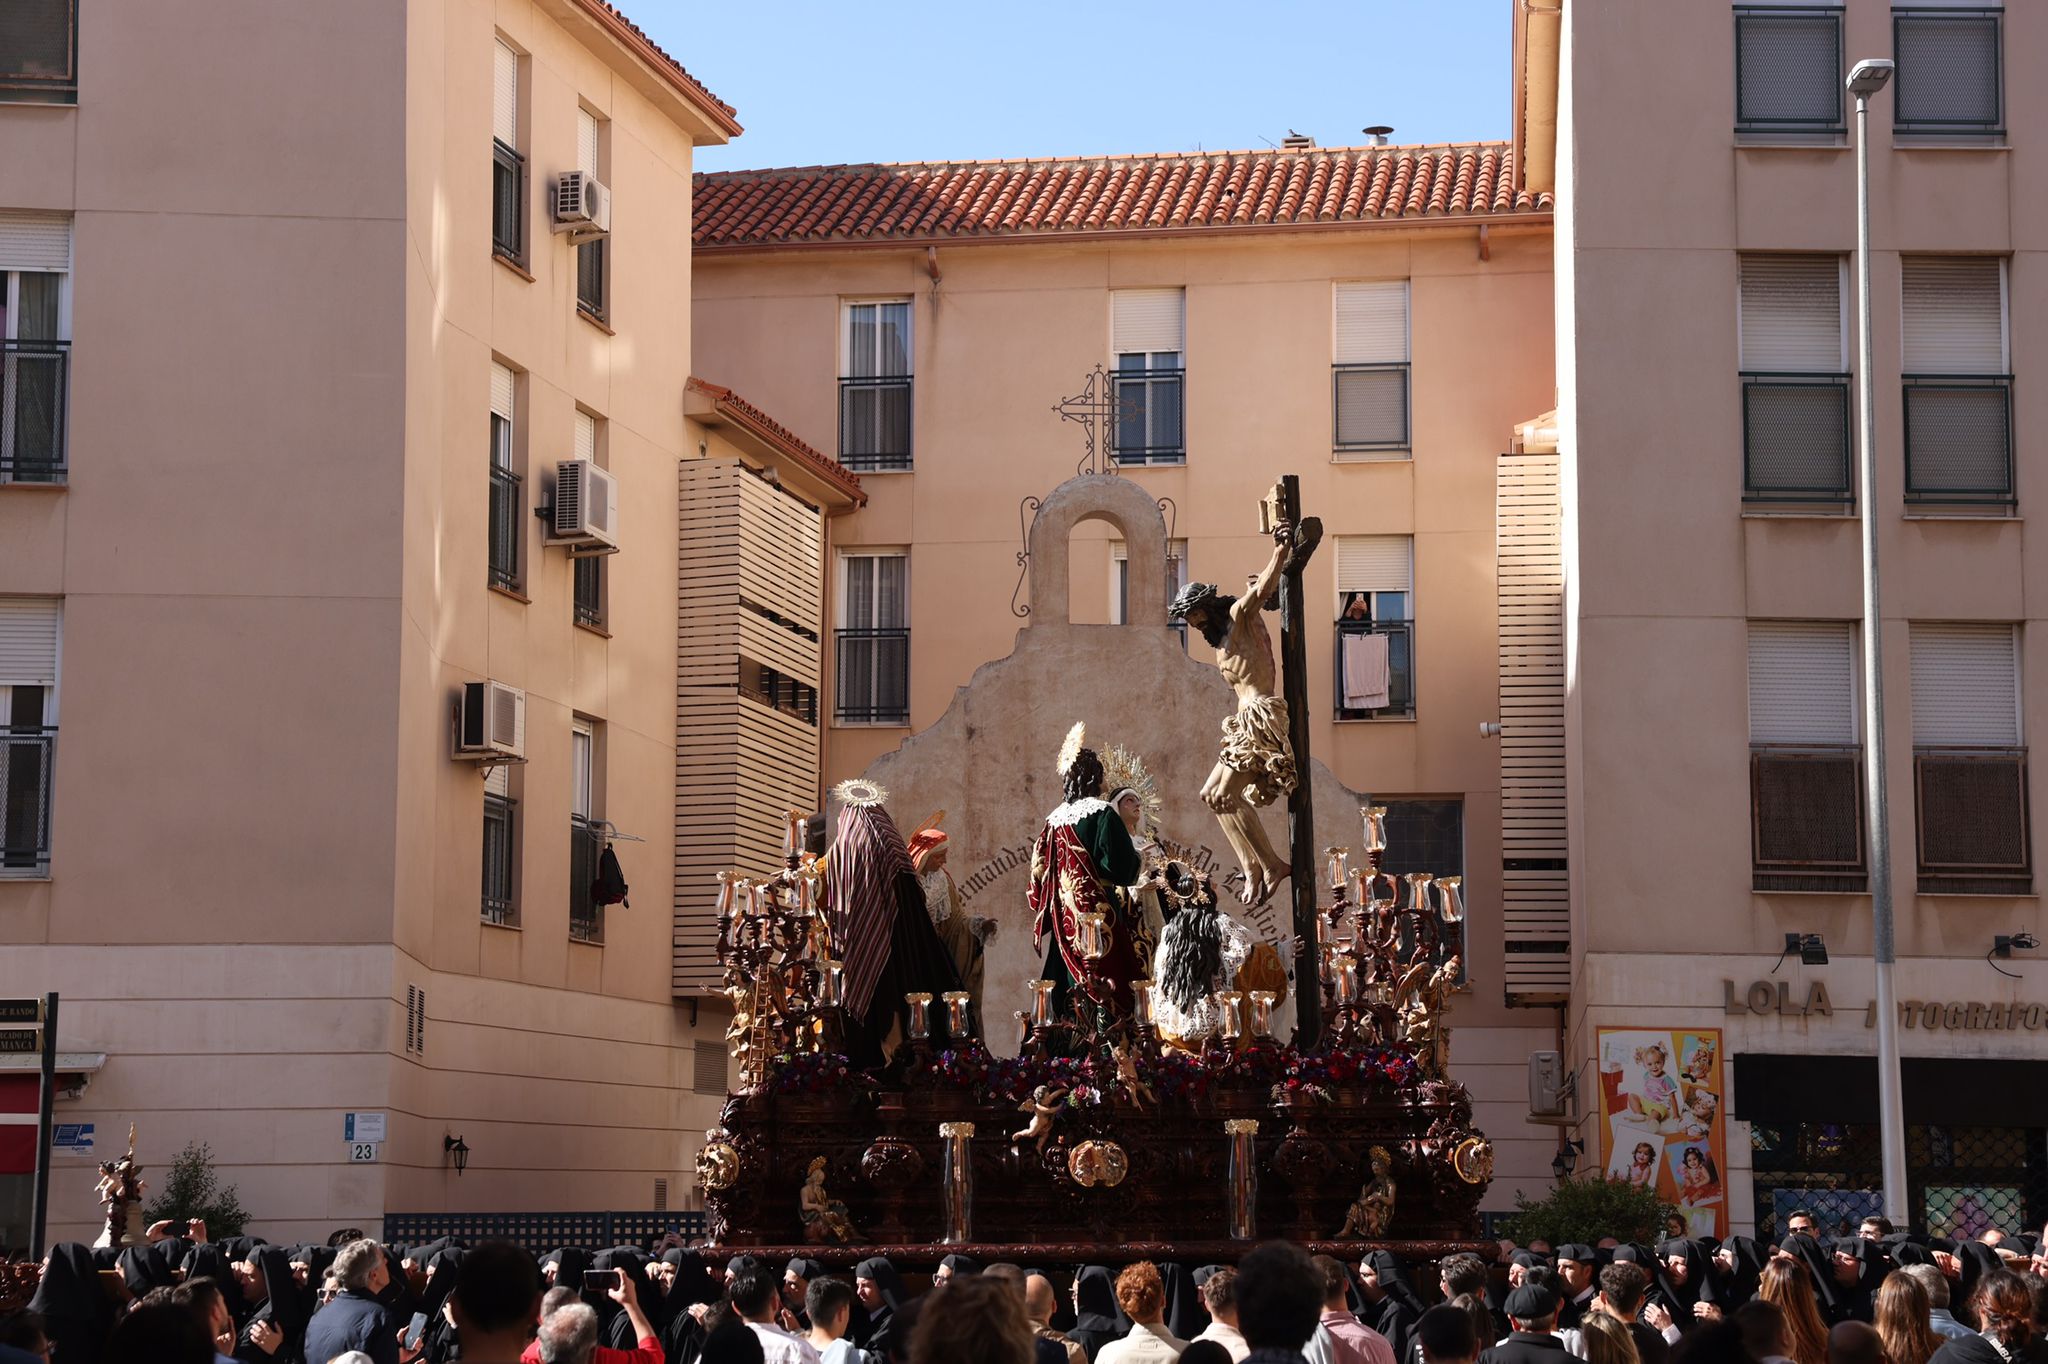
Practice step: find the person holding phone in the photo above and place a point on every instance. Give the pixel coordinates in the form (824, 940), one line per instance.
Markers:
(568, 1319)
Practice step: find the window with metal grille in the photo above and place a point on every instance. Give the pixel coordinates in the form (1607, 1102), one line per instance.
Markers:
(39, 51)
(872, 676)
(500, 905)
(710, 1075)
(1805, 763)
(1969, 764)
(874, 387)
(1788, 70)
(506, 501)
(1795, 381)
(35, 357)
(1962, 1180)
(1958, 381)
(415, 1020)
(589, 580)
(1369, 375)
(1148, 332)
(28, 733)
(1950, 79)
(592, 257)
(586, 836)
(508, 164)
(1375, 645)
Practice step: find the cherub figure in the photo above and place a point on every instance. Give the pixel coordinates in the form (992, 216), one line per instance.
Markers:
(1374, 1211)
(1132, 1083)
(1043, 1106)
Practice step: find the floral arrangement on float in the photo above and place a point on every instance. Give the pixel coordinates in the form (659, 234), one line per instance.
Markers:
(812, 1074)
(965, 1067)
(1012, 1080)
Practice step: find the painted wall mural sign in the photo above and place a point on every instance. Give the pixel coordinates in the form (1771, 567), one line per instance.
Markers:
(1661, 1120)
(1765, 998)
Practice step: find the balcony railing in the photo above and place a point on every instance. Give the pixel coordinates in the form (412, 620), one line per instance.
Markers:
(34, 376)
(498, 905)
(589, 571)
(1951, 72)
(873, 677)
(1795, 438)
(874, 423)
(508, 202)
(1788, 64)
(1369, 406)
(1150, 416)
(27, 762)
(504, 530)
(1971, 810)
(592, 261)
(1806, 818)
(39, 51)
(1400, 637)
(586, 916)
(1959, 439)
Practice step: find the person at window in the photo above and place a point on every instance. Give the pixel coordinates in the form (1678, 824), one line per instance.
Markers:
(1357, 608)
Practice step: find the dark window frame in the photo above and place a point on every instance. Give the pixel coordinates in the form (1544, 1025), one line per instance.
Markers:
(1956, 878)
(505, 528)
(16, 358)
(1850, 877)
(57, 88)
(586, 845)
(502, 875)
(871, 643)
(588, 589)
(1148, 380)
(1394, 709)
(1843, 495)
(1909, 14)
(25, 799)
(508, 239)
(593, 279)
(877, 460)
(1407, 438)
(1909, 383)
(1767, 127)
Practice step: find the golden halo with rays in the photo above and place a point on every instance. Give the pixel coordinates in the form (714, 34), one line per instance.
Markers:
(860, 792)
(1123, 769)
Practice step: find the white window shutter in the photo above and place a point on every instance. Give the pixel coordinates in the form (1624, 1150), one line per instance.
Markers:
(586, 437)
(1371, 323)
(1954, 314)
(1792, 315)
(501, 391)
(34, 241)
(1966, 686)
(505, 94)
(1802, 683)
(586, 142)
(1146, 320)
(498, 782)
(28, 643)
(1375, 563)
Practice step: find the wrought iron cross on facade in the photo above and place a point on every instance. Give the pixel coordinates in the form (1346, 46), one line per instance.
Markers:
(1094, 408)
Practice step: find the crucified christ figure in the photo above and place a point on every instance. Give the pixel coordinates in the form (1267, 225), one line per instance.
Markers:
(1257, 762)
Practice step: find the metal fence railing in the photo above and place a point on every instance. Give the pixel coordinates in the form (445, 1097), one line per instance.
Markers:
(34, 377)
(540, 1232)
(1151, 425)
(872, 676)
(1369, 406)
(589, 571)
(1958, 438)
(1970, 808)
(498, 906)
(1795, 438)
(1400, 637)
(1962, 1181)
(1806, 818)
(504, 528)
(39, 51)
(874, 423)
(27, 765)
(508, 202)
(586, 916)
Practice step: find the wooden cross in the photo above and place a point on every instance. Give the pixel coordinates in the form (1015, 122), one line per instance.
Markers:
(1283, 503)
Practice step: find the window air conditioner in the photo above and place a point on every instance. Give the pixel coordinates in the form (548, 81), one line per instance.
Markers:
(583, 206)
(586, 511)
(492, 722)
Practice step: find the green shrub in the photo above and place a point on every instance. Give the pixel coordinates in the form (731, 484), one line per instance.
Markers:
(192, 1188)
(1587, 1209)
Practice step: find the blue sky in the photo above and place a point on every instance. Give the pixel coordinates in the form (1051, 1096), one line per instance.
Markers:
(913, 80)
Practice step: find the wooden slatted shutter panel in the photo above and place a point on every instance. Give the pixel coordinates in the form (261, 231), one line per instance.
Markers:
(503, 388)
(1792, 315)
(1954, 314)
(1802, 683)
(505, 94)
(1371, 325)
(1529, 588)
(1375, 563)
(1965, 686)
(1145, 321)
(35, 241)
(28, 643)
(586, 436)
(586, 142)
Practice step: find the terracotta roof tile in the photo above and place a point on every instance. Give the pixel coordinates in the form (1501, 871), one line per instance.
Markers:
(989, 200)
(692, 89)
(734, 407)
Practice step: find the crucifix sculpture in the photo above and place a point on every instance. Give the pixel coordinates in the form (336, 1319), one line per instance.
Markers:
(1265, 741)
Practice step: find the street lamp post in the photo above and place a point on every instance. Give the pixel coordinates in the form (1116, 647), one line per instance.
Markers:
(1866, 79)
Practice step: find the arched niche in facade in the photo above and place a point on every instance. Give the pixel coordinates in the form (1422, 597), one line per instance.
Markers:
(1124, 505)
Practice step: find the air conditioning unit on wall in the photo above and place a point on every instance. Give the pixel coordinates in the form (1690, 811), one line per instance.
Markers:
(585, 516)
(583, 206)
(490, 722)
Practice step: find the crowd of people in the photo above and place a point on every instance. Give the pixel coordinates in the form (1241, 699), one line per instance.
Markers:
(1879, 1297)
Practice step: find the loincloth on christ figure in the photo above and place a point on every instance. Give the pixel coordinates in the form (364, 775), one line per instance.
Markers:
(1256, 747)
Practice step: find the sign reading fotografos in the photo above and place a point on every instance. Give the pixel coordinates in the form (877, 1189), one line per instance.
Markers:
(1765, 998)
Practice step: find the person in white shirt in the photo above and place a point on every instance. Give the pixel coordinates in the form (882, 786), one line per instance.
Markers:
(829, 1305)
(755, 1296)
(1219, 1296)
(1141, 1292)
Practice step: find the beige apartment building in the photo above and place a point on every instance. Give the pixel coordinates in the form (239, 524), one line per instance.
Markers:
(1375, 319)
(1706, 324)
(314, 733)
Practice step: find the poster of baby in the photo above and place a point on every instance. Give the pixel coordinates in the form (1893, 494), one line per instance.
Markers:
(1661, 1120)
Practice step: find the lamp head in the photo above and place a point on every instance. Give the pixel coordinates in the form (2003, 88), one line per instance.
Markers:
(1869, 76)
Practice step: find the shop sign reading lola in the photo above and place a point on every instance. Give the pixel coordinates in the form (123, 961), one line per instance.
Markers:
(1765, 997)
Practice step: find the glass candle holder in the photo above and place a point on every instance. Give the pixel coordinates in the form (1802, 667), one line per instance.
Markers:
(1337, 863)
(920, 1003)
(1344, 976)
(1092, 935)
(956, 1180)
(1450, 899)
(957, 1026)
(725, 896)
(831, 983)
(1228, 1004)
(1244, 1177)
(1418, 891)
(1141, 1003)
(1259, 1012)
(1041, 1002)
(1375, 820)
